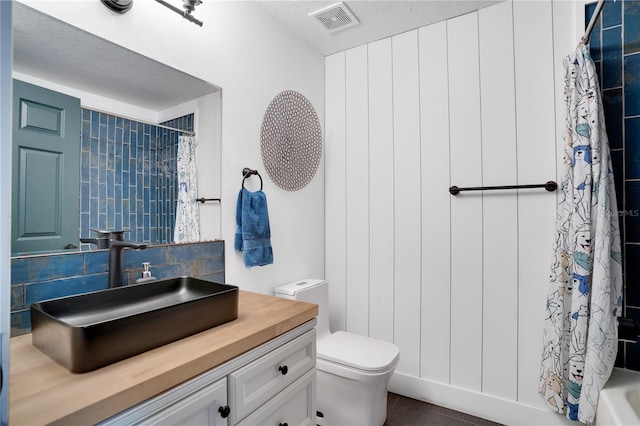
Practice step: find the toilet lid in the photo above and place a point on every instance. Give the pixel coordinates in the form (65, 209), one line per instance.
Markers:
(361, 352)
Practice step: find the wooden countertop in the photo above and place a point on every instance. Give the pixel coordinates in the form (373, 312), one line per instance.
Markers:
(43, 392)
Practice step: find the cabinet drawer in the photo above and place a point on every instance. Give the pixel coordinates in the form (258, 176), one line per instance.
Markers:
(294, 406)
(254, 384)
(201, 408)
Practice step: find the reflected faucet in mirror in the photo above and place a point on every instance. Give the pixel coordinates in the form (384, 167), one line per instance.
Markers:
(115, 259)
(104, 237)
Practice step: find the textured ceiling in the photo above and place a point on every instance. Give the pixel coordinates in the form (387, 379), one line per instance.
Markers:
(45, 47)
(378, 19)
(136, 79)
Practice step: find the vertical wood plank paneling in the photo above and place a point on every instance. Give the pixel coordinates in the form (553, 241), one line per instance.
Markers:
(381, 237)
(458, 283)
(436, 238)
(335, 189)
(499, 209)
(466, 208)
(357, 192)
(406, 106)
(536, 163)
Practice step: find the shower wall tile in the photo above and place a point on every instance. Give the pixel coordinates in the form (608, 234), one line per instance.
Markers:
(632, 358)
(632, 212)
(612, 100)
(632, 290)
(127, 172)
(622, 19)
(632, 85)
(631, 27)
(612, 58)
(632, 150)
(611, 14)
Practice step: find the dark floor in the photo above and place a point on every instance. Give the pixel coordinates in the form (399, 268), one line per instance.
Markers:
(402, 411)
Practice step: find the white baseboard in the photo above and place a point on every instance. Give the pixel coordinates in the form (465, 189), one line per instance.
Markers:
(474, 403)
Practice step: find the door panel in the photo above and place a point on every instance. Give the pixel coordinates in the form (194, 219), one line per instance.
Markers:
(45, 177)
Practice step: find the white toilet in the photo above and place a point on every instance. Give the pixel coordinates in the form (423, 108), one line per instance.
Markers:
(352, 370)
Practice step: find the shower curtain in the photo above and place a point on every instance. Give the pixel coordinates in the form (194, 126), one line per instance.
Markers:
(584, 297)
(187, 228)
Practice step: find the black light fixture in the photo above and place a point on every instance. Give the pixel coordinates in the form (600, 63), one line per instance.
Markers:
(188, 5)
(120, 6)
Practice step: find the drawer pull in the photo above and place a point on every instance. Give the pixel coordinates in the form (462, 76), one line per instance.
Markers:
(284, 370)
(224, 411)
(283, 424)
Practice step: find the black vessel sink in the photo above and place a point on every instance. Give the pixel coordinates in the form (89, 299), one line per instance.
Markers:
(91, 330)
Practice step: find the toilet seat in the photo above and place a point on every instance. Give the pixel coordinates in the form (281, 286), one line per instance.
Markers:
(362, 353)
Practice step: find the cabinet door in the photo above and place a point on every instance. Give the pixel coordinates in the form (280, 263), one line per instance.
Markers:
(254, 384)
(294, 406)
(199, 408)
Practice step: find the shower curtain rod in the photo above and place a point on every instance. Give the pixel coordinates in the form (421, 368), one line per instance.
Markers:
(186, 132)
(592, 22)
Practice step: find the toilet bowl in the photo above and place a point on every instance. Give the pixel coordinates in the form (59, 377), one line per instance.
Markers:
(352, 371)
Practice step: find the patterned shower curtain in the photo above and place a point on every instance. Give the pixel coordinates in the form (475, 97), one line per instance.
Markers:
(187, 229)
(584, 298)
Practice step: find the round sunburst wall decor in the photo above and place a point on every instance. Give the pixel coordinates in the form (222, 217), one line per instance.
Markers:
(291, 140)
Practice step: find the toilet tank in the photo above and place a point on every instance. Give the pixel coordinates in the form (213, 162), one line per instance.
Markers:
(310, 290)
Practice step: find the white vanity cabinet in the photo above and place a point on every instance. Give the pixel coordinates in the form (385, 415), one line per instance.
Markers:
(273, 383)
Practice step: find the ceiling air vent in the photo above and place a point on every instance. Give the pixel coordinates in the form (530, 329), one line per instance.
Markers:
(335, 17)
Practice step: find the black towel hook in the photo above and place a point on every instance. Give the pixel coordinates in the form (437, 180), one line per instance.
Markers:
(246, 172)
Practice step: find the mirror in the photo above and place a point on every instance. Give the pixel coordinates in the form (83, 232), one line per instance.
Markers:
(112, 81)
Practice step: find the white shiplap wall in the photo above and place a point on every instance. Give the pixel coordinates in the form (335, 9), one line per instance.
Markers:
(456, 282)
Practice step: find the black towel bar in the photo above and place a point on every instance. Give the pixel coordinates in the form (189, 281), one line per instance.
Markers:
(549, 186)
(204, 200)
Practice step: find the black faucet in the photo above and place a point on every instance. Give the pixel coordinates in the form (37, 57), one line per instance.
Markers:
(115, 260)
(101, 243)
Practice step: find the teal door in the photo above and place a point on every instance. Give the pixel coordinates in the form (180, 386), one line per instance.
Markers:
(45, 174)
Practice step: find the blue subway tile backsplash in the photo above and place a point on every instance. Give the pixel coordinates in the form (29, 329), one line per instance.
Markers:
(615, 46)
(37, 278)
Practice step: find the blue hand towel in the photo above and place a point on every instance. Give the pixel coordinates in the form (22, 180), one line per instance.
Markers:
(253, 234)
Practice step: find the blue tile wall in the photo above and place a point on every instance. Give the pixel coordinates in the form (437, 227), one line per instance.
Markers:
(37, 278)
(615, 47)
(127, 176)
